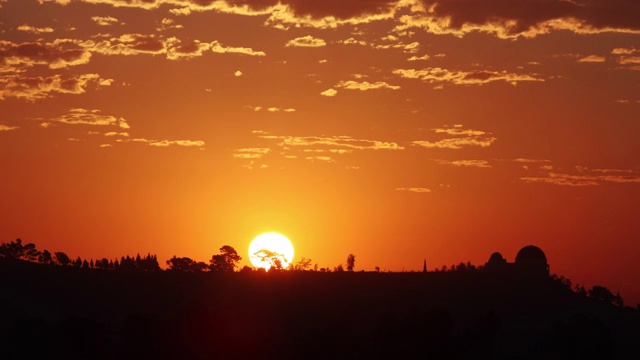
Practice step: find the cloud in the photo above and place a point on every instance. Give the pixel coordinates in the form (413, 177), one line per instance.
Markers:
(329, 92)
(465, 138)
(81, 116)
(336, 142)
(104, 20)
(217, 47)
(475, 77)
(504, 19)
(592, 59)
(7, 128)
(126, 44)
(466, 163)
(15, 57)
(250, 153)
(115, 133)
(34, 30)
(415, 190)
(35, 88)
(165, 143)
(238, 73)
(513, 19)
(323, 149)
(150, 44)
(419, 58)
(280, 14)
(365, 85)
(587, 177)
(306, 41)
(271, 109)
(168, 24)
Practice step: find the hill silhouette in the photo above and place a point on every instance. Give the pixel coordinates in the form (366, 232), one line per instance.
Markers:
(83, 313)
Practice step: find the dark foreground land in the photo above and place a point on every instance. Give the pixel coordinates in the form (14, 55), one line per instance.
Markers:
(62, 312)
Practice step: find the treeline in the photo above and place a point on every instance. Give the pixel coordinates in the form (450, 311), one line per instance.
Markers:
(227, 261)
(16, 250)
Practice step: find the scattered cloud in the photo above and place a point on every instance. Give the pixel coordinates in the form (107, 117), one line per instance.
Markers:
(329, 92)
(34, 30)
(7, 128)
(104, 20)
(35, 88)
(306, 41)
(464, 138)
(79, 116)
(514, 19)
(415, 190)
(335, 142)
(476, 77)
(165, 143)
(419, 58)
(16, 57)
(365, 85)
(251, 153)
(466, 163)
(168, 24)
(592, 59)
(217, 47)
(586, 177)
(271, 109)
(503, 19)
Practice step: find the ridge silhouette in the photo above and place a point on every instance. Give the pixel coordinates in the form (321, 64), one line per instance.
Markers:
(134, 311)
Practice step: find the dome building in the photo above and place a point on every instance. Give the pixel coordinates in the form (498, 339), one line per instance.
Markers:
(496, 263)
(530, 261)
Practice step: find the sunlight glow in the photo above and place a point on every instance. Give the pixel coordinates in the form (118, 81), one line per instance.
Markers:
(271, 249)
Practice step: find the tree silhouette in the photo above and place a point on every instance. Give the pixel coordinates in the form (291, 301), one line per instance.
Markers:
(13, 250)
(351, 262)
(45, 257)
(601, 294)
(226, 261)
(303, 265)
(62, 258)
(185, 264)
(274, 259)
(30, 253)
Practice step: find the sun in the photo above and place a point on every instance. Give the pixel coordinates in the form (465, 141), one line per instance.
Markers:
(271, 249)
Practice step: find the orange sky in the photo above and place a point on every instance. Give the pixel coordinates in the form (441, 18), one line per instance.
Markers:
(394, 130)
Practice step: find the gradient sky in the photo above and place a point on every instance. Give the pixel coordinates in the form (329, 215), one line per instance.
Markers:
(394, 130)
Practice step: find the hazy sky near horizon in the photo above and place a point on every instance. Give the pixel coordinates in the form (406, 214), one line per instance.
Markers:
(394, 130)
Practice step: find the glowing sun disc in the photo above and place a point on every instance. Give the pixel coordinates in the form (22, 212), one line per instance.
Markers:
(269, 246)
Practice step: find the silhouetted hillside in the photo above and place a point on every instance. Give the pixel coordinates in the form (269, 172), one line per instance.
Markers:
(56, 311)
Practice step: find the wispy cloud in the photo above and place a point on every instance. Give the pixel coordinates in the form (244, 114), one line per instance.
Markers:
(475, 77)
(329, 93)
(81, 116)
(104, 20)
(365, 85)
(7, 127)
(61, 53)
(165, 143)
(306, 41)
(592, 59)
(34, 30)
(464, 138)
(466, 163)
(586, 177)
(35, 88)
(420, 190)
(250, 153)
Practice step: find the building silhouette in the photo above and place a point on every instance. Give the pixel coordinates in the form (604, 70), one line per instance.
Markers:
(530, 260)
